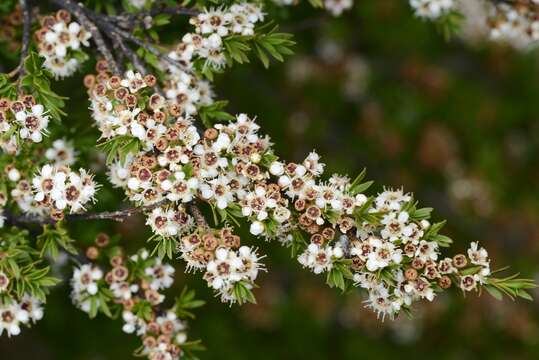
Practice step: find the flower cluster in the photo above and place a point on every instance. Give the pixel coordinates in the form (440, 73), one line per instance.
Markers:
(154, 176)
(178, 165)
(226, 264)
(133, 285)
(129, 107)
(8, 25)
(167, 221)
(164, 336)
(59, 43)
(85, 285)
(14, 313)
(432, 9)
(335, 7)
(54, 189)
(89, 281)
(394, 254)
(511, 22)
(21, 119)
(320, 259)
(186, 91)
(382, 241)
(514, 23)
(211, 27)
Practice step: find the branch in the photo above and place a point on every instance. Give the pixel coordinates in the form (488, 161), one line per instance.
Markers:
(119, 215)
(128, 21)
(171, 11)
(27, 23)
(111, 30)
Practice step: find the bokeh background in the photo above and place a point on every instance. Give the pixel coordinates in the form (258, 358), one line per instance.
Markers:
(456, 122)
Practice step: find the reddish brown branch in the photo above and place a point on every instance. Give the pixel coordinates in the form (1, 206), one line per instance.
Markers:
(119, 215)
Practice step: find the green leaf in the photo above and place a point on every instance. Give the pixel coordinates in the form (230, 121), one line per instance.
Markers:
(213, 113)
(119, 148)
(37, 82)
(243, 294)
(297, 243)
(166, 246)
(449, 24)
(268, 158)
(161, 19)
(53, 239)
(186, 302)
(8, 89)
(360, 188)
(335, 278)
(272, 43)
(495, 293)
(316, 3)
(523, 294)
(442, 240)
(421, 214)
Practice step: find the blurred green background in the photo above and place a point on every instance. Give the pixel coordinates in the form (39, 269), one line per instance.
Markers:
(454, 122)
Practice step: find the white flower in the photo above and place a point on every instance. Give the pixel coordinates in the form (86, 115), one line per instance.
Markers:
(161, 275)
(391, 200)
(13, 174)
(477, 255)
(33, 307)
(11, 316)
(394, 223)
(85, 279)
(256, 228)
(318, 259)
(336, 7)
(432, 9)
(64, 187)
(382, 255)
(427, 250)
(61, 153)
(276, 168)
(33, 123)
(133, 324)
(312, 164)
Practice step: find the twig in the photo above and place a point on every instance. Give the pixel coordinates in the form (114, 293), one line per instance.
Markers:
(100, 23)
(110, 29)
(307, 24)
(128, 21)
(199, 218)
(14, 72)
(129, 53)
(119, 215)
(171, 11)
(27, 23)
(133, 57)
